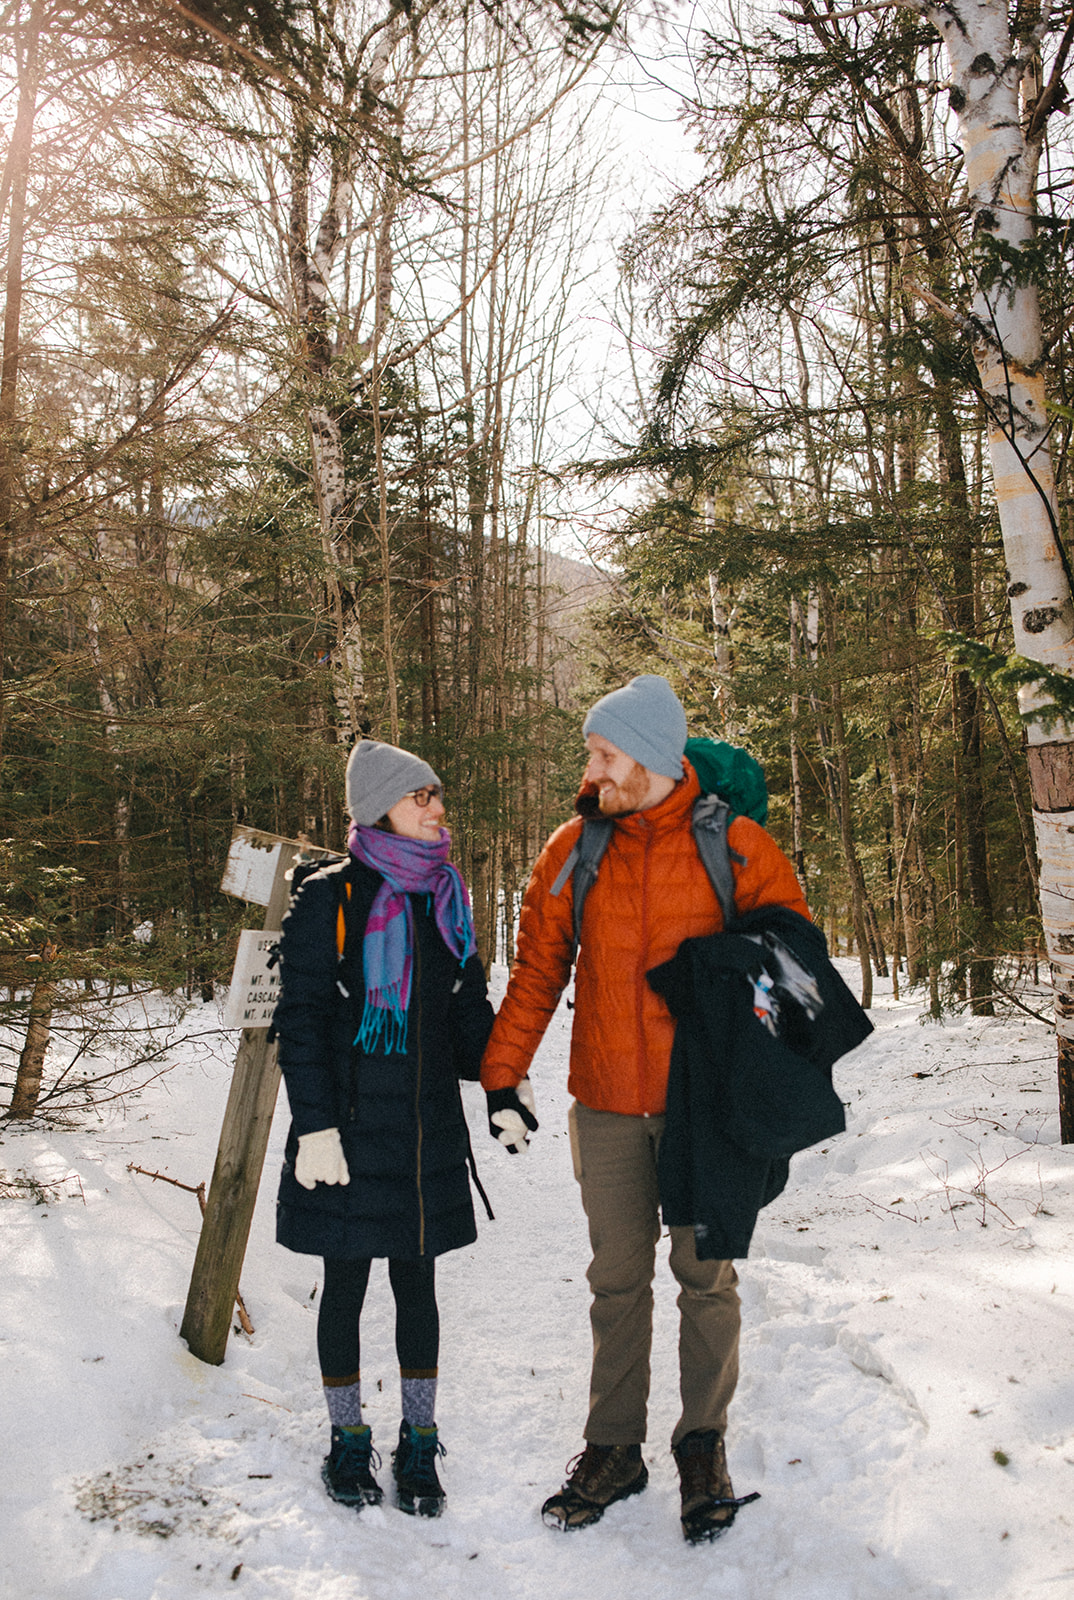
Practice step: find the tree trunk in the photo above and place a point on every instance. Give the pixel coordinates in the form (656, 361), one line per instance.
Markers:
(902, 908)
(17, 173)
(976, 919)
(1002, 140)
(841, 794)
(797, 803)
(38, 1030)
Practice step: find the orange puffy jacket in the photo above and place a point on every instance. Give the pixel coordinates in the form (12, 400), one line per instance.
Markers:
(651, 893)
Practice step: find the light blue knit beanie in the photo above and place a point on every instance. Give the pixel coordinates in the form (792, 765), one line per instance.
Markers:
(645, 719)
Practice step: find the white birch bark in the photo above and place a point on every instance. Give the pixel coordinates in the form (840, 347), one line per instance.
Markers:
(313, 292)
(1001, 174)
(312, 268)
(1001, 139)
(121, 813)
(721, 615)
(311, 277)
(721, 628)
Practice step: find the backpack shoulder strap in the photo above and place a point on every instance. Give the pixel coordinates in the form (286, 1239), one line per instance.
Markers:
(341, 920)
(581, 867)
(711, 819)
(340, 872)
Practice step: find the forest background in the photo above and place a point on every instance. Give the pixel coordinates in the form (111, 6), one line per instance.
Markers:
(317, 368)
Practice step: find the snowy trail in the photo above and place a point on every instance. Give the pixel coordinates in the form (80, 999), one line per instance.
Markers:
(892, 1344)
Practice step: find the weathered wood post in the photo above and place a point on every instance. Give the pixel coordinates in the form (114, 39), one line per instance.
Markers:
(258, 869)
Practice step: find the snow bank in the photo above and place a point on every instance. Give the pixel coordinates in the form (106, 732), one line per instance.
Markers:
(906, 1405)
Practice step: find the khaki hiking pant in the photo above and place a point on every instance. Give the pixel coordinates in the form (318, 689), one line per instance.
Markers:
(615, 1164)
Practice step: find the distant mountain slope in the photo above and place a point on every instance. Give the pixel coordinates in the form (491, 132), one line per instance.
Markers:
(570, 586)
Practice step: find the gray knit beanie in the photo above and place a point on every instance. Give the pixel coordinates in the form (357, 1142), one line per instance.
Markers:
(380, 774)
(646, 720)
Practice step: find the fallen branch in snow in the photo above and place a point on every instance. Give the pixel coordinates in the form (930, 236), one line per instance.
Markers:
(956, 1121)
(162, 1177)
(265, 1402)
(1008, 994)
(978, 1193)
(1018, 1061)
(892, 1211)
(44, 1191)
(199, 1190)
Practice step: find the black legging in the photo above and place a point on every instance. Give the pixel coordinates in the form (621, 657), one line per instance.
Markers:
(417, 1321)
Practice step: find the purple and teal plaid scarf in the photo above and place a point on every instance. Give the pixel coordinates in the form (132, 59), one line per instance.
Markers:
(407, 866)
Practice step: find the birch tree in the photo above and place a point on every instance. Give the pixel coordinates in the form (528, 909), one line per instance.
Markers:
(1002, 110)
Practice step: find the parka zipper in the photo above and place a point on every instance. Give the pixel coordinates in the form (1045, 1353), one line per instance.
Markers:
(639, 976)
(417, 1095)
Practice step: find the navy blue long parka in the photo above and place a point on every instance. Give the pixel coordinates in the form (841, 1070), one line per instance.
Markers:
(400, 1116)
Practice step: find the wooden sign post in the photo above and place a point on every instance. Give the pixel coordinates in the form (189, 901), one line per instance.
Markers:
(258, 869)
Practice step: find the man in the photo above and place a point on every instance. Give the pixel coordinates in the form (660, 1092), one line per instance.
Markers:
(651, 893)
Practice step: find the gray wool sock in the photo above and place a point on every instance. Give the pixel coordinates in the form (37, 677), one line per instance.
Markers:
(419, 1398)
(343, 1397)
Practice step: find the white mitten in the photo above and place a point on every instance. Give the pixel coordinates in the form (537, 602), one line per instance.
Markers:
(515, 1127)
(320, 1159)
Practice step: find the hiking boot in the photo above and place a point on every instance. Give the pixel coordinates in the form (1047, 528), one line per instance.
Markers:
(602, 1474)
(417, 1487)
(347, 1469)
(708, 1500)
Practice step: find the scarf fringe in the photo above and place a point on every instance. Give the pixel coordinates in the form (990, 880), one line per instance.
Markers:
(384, 1023)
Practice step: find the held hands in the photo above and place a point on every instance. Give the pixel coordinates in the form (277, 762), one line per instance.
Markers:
(511, 1115)
(320, 1159)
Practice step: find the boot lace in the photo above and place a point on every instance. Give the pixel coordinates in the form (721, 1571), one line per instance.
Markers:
(423, 1448)
(357, 1454)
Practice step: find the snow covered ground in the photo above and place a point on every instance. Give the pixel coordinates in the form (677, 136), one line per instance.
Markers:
(906, 1405)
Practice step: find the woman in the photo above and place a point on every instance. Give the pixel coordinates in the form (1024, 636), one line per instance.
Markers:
(383, 1008)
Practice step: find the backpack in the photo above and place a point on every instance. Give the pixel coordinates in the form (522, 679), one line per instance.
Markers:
(732, 783)
(304, 868)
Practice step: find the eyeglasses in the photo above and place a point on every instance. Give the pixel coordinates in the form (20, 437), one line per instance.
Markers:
(423, 797)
